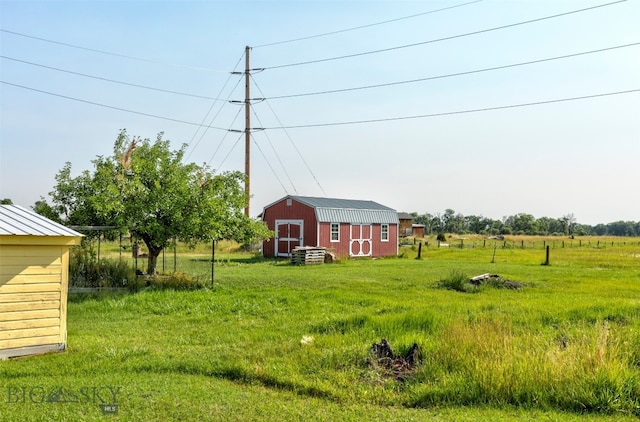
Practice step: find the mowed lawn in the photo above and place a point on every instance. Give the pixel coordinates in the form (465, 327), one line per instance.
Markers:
(277, 341)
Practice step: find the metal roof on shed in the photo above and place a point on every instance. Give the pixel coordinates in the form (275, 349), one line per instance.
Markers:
(18, 221)
(405, 216)
(352, 211)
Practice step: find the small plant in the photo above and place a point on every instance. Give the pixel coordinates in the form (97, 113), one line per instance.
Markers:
(457, 281)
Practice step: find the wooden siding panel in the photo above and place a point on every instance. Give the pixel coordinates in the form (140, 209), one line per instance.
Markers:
(25, 342)
(10, 271)
(388, 248)
(29, 306)
(341, 248)
(30, 278)
(29, 323)
(295, 211)
(28, 297)
(30, 288)
(29, 332)
(30, 314)
(31, 251)
(30, 261)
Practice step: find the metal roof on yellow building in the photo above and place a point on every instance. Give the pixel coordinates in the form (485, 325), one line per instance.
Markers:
(18, 221)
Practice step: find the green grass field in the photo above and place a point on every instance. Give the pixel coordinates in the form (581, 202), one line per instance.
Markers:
(273, 340)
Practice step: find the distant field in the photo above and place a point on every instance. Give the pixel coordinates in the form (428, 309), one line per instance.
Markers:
(284, 342)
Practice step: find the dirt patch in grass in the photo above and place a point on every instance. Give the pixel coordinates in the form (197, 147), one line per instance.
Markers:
(398, 367)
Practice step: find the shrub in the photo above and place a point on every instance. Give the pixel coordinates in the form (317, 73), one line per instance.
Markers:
(457, 281)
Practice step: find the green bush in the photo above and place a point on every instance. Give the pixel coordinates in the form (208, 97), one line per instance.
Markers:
(457, 281)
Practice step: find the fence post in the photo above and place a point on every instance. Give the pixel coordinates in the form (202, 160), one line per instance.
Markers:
(546, 261)
(213, 257)
(419, 250)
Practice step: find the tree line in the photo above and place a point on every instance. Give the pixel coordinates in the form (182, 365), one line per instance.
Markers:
(520, 224)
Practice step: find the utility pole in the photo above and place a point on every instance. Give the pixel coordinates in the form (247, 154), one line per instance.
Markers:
(247, 124)
(247, 130)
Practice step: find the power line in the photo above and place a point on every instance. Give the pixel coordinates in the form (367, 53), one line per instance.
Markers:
(232, 148)
(383, 50)
(223, 138)
(270, 167)
(451, 113)
(206, 127)
(107, 106)
(211, 108)
(275, 151)
(449, 75)
(291, 141)
(109, 80)
(365, 26)
(94, 50)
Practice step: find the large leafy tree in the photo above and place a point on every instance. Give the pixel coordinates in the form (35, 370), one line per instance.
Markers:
(145, 188)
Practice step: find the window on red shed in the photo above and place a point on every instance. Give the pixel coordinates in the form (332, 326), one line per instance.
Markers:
(335, 232)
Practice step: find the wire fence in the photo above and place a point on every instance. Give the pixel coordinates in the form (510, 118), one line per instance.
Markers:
(525, 244)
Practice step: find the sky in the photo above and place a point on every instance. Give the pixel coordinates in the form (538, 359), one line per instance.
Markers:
(489, 108)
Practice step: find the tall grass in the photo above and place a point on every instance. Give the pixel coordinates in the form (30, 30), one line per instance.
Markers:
(568, 341)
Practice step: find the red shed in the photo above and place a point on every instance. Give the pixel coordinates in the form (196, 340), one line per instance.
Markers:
(348, 227)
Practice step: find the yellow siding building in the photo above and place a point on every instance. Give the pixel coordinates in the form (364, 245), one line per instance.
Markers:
(34, 280)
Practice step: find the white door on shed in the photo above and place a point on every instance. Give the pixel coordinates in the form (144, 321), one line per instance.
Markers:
(288, 236)
(360, 240)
